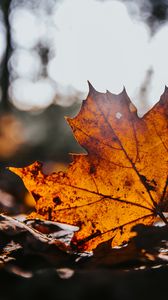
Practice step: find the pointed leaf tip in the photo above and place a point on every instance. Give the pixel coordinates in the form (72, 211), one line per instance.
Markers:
(165, 92)
(14, 170)
(164, 96)
(91, 88)
(124, 92)
(110, 93)
(69, 120)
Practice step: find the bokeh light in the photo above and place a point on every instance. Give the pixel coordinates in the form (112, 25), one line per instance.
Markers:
(27, 95)
(26, 64)
(59, 45)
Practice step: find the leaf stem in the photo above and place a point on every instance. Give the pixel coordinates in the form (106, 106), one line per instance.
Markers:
(161, 215)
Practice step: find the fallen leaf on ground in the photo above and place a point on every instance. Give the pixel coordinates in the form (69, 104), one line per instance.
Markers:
(20, 240)
(121, 182)
(148, 248)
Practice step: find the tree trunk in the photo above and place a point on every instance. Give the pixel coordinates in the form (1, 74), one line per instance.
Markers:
(4, 81)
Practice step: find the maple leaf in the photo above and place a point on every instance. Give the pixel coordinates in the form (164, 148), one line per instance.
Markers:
(121, 182)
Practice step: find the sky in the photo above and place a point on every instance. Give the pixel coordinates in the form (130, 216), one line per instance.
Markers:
(99, 41)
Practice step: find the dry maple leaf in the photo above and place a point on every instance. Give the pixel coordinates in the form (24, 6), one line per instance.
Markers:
(121, 182)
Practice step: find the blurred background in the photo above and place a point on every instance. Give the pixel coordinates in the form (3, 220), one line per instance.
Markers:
(48, 51)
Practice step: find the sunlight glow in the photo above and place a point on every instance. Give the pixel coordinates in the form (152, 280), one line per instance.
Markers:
(100, 42)
(92, 40)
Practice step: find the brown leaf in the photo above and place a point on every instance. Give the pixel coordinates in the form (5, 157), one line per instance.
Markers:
(28, 237)
(121, 182)
(17, 236)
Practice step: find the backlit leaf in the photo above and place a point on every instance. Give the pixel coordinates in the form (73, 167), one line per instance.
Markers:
(121, 182)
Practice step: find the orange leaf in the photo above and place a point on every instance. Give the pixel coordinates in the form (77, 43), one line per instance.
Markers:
(121, 182)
